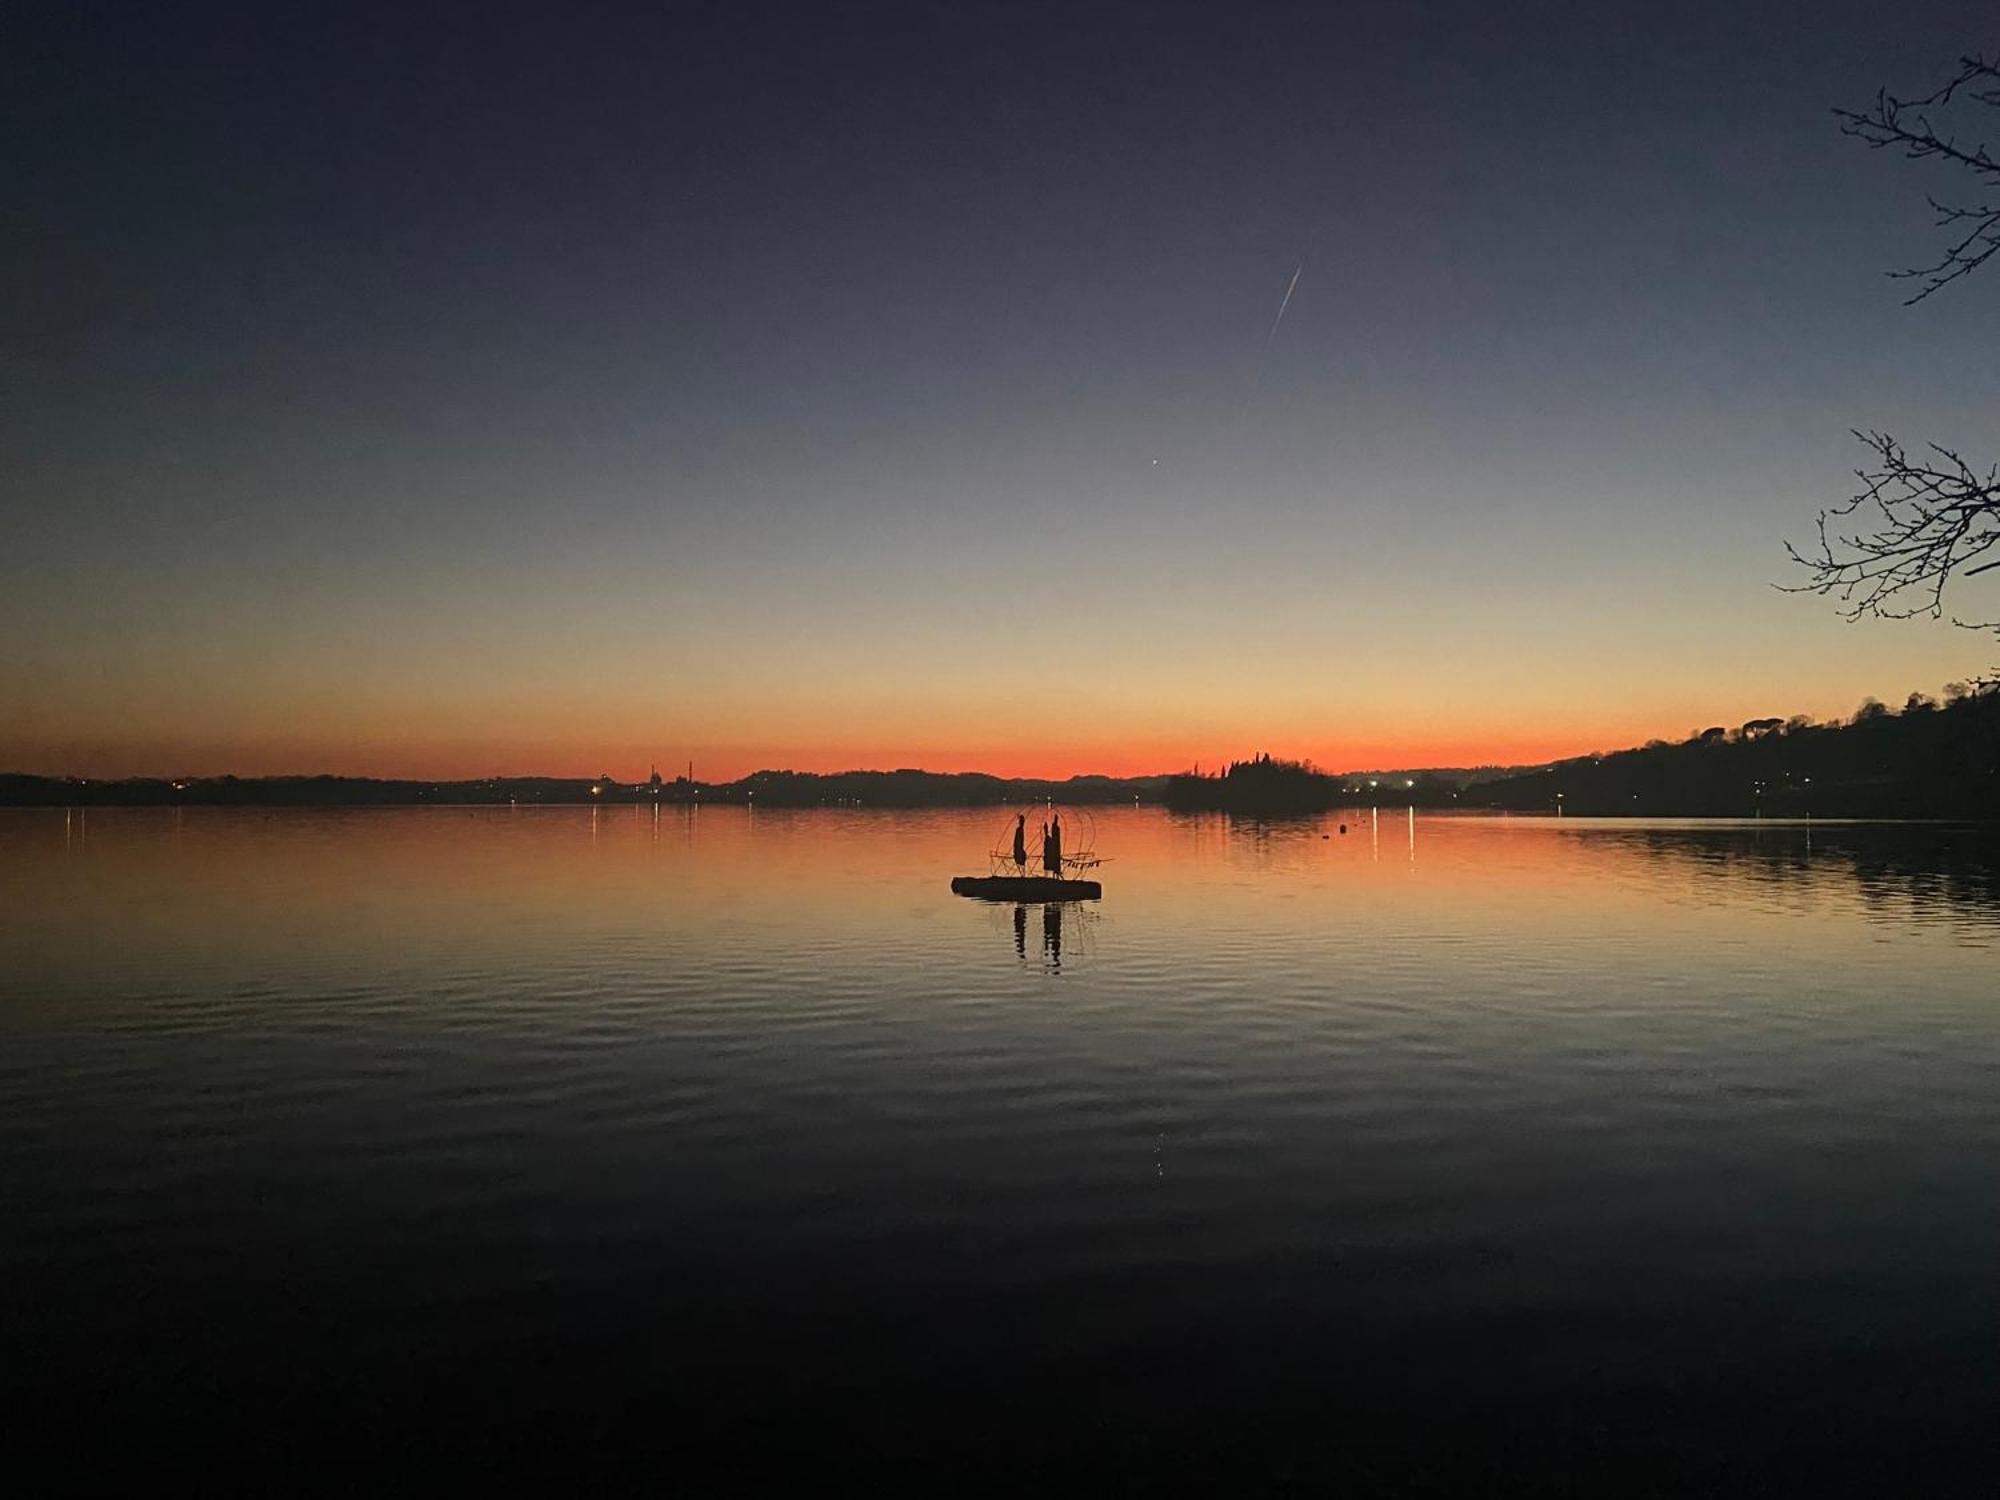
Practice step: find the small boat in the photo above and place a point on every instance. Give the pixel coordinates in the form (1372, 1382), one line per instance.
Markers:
(1025, 888)
(1063, 871)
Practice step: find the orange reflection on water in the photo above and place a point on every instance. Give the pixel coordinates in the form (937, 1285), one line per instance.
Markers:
(438, 889)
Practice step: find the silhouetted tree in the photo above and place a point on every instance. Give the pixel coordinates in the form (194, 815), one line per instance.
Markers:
(1926, 518)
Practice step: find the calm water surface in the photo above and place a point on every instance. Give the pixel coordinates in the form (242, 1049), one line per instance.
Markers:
(1442, 1153)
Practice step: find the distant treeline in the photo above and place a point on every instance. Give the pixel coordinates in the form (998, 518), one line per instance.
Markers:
(909, 788)
(1930, 759)
(285, 791)
(763, 789)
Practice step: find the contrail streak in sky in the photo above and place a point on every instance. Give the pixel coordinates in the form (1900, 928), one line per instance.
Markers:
(1289, 289)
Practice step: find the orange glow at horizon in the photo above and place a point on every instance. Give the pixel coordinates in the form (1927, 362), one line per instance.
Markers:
(783, 668)
(1129, 713)
(628, 761)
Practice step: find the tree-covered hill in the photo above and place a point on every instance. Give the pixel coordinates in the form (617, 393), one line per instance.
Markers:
(1929, 760)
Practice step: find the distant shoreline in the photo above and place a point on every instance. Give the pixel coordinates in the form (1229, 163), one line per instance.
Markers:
(775, 789)
(899, 788)
(1929, 760)
(1472, 812)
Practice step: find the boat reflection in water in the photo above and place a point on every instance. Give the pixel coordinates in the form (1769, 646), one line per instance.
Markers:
(1050, 955)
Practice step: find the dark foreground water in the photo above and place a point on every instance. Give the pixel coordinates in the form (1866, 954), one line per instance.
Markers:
(685, 1152)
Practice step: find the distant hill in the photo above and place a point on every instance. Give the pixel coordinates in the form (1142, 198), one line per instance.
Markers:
(906, 788)
(284, 791)
(912, 788)
(1928, 760)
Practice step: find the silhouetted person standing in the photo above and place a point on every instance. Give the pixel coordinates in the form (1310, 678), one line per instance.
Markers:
(1052, 848)
(1020, 842)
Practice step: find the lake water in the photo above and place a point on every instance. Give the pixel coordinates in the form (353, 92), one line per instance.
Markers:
(637, 1144)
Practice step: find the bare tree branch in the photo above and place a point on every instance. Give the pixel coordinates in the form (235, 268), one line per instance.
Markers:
(1919, 522)
(1922, 521)
(1911, 126)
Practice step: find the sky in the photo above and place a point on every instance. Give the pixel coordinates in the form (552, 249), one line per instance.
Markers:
(517, 389)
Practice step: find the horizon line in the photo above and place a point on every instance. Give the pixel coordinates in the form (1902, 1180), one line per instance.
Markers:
(611, 780)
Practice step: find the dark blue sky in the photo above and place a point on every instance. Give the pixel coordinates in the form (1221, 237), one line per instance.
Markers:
(379, 387)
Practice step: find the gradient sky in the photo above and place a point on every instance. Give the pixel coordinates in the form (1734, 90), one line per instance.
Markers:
(554, 389)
